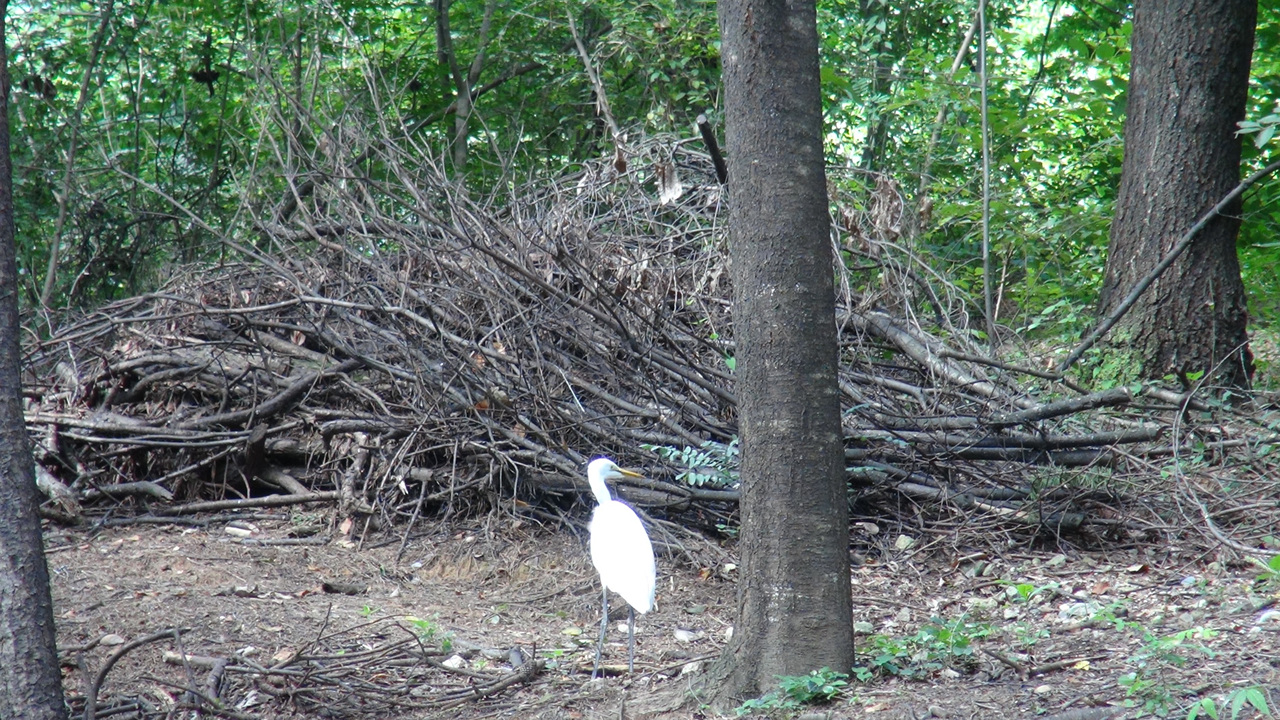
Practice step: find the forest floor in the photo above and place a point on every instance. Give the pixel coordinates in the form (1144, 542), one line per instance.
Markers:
(1025, 633)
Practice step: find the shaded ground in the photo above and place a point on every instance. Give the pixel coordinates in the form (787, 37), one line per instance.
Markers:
(943, 635)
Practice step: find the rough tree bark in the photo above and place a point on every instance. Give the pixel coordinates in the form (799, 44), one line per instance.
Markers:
(30, 679)
(794, 606)
(1188, 86)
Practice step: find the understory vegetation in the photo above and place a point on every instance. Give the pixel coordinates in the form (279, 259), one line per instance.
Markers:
(150, 135)
(1167, 647)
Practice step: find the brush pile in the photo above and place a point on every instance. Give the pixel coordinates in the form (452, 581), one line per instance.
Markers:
(403, 350)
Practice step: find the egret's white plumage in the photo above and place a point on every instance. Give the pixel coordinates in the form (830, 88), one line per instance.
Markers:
(621, 552)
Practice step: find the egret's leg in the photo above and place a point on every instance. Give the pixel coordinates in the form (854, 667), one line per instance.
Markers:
(604, 626)
(631, 642)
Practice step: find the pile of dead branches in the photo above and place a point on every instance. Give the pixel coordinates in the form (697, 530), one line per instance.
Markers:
(392, 667)
(403, 349)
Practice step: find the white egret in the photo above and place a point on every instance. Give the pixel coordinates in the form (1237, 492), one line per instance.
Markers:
(622, 554)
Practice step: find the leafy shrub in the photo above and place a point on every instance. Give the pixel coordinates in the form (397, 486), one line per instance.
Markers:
(712, 464)
(941, 643)
(818, 687)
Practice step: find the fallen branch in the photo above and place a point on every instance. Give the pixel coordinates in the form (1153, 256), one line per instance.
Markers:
(1106, 398)
(267, 501)
(91, 695)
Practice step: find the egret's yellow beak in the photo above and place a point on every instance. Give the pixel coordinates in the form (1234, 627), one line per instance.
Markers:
(629, 473)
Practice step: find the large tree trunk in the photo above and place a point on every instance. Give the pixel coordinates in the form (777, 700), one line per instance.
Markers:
(794, 607)
(30, 679)
(1187, 90)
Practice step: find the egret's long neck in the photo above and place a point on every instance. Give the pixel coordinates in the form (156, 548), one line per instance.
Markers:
(598, 488)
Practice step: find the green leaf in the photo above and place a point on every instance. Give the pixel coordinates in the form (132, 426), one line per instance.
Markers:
(1207, 706)
(1257, 700)
(1240, 697)
(1265, 136)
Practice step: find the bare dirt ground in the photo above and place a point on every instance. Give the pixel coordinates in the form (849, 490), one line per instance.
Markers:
(941, 633)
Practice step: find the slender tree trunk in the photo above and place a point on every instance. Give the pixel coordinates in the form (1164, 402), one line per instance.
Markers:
(69, 164)
(463, 81)
(1188, 86)
(794, 606)
(30, 679)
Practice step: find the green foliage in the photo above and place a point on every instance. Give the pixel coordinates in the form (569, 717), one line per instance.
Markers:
(712, 464)
(1111, 364)
(199, 114)
(765, 704)
(940, 643)
(1024, 592)
(1263, 129)
(200, 118)
(429, 632)
(1270, 575)
(818, 687)
(1145, 686)
(1252, 696)
(1257, 244)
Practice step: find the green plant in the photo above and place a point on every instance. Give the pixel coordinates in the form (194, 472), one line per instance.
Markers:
(428, 631)
(553, 656)
(1028, 635)
(1270, 575)
(1155, 697)
(712, 464)
(1253, 696)
(818, 687)
(1145, 686)
(1025, 592)
(1263, 129)
(767, 703)
(941, 643)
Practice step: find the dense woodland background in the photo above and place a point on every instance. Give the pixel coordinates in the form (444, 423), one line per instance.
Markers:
(145, 132)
